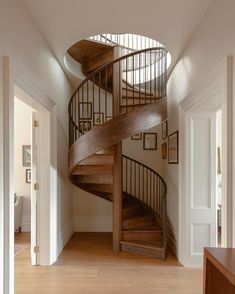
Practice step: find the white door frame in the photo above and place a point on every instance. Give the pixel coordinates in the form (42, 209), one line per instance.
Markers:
(219, 81)
(13, 77)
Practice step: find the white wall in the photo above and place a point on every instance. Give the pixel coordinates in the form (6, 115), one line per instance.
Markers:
(21, 40)
(211, 43)
(22, 136)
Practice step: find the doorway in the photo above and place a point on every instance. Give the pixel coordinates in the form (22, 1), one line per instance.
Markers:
(25, 167)
(205, 206)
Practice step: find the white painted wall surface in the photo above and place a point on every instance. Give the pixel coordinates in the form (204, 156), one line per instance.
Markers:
(212, 42)
(21, 40)
(22, 136)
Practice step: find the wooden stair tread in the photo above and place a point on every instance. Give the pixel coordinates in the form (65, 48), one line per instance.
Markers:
(145, 244)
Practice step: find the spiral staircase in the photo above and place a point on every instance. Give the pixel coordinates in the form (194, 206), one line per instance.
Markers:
(124, 94)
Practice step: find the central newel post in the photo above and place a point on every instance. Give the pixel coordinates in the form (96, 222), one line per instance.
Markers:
(117, 172)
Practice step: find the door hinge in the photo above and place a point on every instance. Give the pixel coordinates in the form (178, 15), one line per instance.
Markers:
(36, 186)
(36, 123)
(36, 249)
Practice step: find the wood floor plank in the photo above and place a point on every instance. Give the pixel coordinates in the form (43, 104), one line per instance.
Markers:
(88, 265)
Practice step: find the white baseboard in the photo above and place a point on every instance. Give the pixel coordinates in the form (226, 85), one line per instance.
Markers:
(64, 235)
(93, 223)
(26, 223)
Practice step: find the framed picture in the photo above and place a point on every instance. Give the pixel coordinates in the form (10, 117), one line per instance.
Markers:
(150, 141)
(173, 148)
(137, 136)
(98, 118)
(164, 129)
(26, 155)
(28, 176)
(85, 110)
(84, 126)
(164, 150)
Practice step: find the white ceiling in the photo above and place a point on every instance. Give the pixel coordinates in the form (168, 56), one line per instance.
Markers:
(64, 22)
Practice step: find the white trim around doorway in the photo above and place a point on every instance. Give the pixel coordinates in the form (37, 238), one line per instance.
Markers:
(15, 78)
(218, 81)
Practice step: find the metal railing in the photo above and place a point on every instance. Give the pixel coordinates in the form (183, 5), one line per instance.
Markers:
(146, 185)
(92, 104)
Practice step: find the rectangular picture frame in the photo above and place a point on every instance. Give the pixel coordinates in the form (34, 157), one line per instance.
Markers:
(85, 110)
(28, 176)
(84, 126)
(173, 148)
(164, 129)
(26, 155)
(137, 136)
(98, 118)
(150, 141)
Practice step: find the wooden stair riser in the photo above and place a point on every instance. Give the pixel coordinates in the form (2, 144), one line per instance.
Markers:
(131, 211)
(137, 223)
(142, 235)
(103, 188)
(152, 252)
(98, 159)
(95, 179)
(93, 170)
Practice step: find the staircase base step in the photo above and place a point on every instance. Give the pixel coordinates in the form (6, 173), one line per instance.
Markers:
(142, 235)
(152, 249)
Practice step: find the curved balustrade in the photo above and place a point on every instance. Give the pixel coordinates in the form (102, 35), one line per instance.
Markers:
(119, 99)
(94, 100)
(146, 185)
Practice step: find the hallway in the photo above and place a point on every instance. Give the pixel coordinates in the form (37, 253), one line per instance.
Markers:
(88, 265)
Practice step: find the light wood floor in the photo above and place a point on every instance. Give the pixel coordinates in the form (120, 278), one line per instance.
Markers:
(88, 265)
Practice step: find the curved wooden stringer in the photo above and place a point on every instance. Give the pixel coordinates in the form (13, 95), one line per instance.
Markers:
(117, 100)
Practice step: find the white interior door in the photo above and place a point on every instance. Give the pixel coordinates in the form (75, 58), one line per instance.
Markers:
(200, 224)
(34, 192)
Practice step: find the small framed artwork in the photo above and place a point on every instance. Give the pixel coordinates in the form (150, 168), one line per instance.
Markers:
(84, 126)
(28, 176)
(150, 141)
(26, 155)
(137, 136)
(85, 110)
(173, 148)
(164, 150)
(98, 118)
(164, 129)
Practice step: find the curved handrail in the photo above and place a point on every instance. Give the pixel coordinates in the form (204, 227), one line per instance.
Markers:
(145, 184)
(110, 63)
(114, 131)
(92, 103)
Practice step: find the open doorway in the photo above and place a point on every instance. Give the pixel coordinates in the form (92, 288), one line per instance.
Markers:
(25, 214)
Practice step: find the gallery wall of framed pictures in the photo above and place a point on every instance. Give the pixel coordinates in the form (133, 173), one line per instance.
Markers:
(26, 162)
